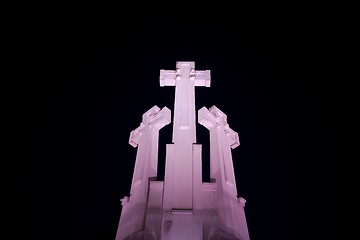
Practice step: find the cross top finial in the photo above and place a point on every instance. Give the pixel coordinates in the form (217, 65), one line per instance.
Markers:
(188, 64)
(221, 116)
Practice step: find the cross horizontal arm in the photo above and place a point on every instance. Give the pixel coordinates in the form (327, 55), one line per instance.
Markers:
(202, 78)
(215, 117)
(154, 117)
(230, 134)
(167, 78)
(206, 118)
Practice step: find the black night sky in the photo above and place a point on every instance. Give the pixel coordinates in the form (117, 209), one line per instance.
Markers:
(93, 88)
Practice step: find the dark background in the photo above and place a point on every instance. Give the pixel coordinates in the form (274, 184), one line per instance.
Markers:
(92, 85)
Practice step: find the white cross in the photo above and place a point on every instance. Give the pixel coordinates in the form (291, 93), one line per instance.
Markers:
(180, 174)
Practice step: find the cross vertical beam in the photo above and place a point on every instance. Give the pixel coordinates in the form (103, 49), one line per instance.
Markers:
(185, 79)
(145, 138)
(222, 140)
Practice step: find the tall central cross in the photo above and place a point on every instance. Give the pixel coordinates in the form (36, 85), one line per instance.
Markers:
(185, 79)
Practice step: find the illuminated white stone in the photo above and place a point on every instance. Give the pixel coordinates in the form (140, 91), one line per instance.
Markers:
(179, 172)
(183, 206)
(231, 216)
(145, 138)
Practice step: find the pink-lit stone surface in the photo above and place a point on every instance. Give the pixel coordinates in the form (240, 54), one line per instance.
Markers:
(182, 206)
(184, 78)
(231, 216)
(145, 137)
